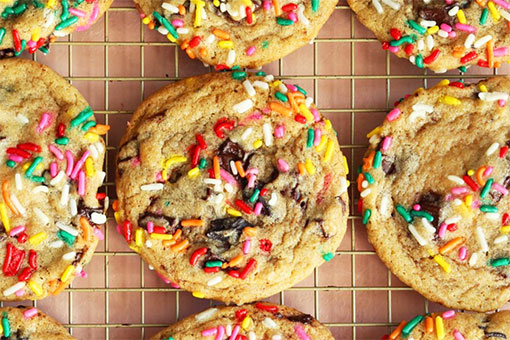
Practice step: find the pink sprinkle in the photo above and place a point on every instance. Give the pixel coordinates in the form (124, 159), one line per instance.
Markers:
(30, 313)
(77, 12)
(442, 230)
(293, 17)
(135, 161)
(254, 116)
(20, 292)
(316, 115)
(210, 332)
(174, 285)
(317, 137)
(502, 3)
(500, 188)
(165, 280)
(462, 253)
(31, 43)
(465, 27)
(459, 190)
(177, 23)
(159, 178)
(283, 166)
(393, 114)
(118, 229)
(82, 28)
(228, 177)
(301, 333)
(81, 183)
(279, 131)
(53, 169)
(246, 246)
(501, 102)
(56, 151)
(292, 88)
(501, 51)
(142, 15)
(449, 2)
(252, 171)
(251, 181)
(79, 164)
(417, 207)
(15, 158)
(235, 332)
(221, 333)
(83, 274)
(449, 314)
(452, 34)
(476, 204)
(446, 27)
(250, 51)
(386, 144)
(393, 49)
(95, 14)
(17, 230)
(99, 234)
(258, 209)
(488, 171)
(267, 5)
(150, 227)
(70, 163)
(44, 123)
(458, 335)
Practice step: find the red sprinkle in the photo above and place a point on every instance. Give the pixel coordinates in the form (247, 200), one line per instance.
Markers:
(457, 84)
(221, 67)
(25, 274)
(29, 147)
(289, 7)
(360, 206)
(263, 192)
(126, 229)
(233, 273)
(250, 266)
(17, 40)
(221, 124)
(61, 130)
(483, 63)
(241, 337)
(32, 259)
(452, 227)
(210, 270)
(195, 41)
(409, 49)
(470, 182)
(241, 314)
(468, 57)
(197, 254)
(505, 219)
(100, 196)
(13, 259)
(249, 16)
(21, 153)
(432, 57)
(22, 237)
(395, 34)
(503, 151)
(201, 141)
(266, 245)
(300, 119)
(195, 156)
(39, 43)
(243, 206)
(159, 230)
(267, 308)
(385, 45)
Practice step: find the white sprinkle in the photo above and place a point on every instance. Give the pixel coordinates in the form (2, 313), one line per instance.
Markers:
(421, 45)
(308, 101)
(69, 256)
(273, 199)
(481, 239)
(384, 207)
(98, 218)
(417, 235)
(269, 78)
(301, 15)
(233, 168)
(99, 147)
(183, 30)
(93, 150)
(18, 205)
(343, 186)
(473, 259)
(442, 70)
(365, 192)
(504, 14)
(40, 188)
(428, 226)
(492, 149)
(57, 244)
(252, 336)
(469, 40)
(44, 219)
(231, 58)
(456, 179)
(162, 30)
(79, 269)
(276, 337)
(378, 6)
(364, 184)
(457, 202)
(60, 33)
(261, 84)
(249, 88)
(427, 23)
(212, 181)
(218, 188)
(492, 216)
(71, 230)
(243, 106)
(214, 281)
(150, 267)
(18, 182)
(412, 60)
(423, 107)
(283, 88)
(453, 11)
(268, 134)
(14, 288)
(57, 178)
(152, 187)
(72, 207)
(21, 118)
(206, 315)
(148, 243)
(493, 96)
(501, 239)
(392, 4)
(228, 330)
(246, 133)
(269, 323)
(169, 7)
(64, 198)
(229, 188)
(442, 34)
(482, 41)
(430, 42)
(218, 198)
(453, 219)
(210, 39)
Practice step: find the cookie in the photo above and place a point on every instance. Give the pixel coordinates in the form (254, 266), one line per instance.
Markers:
(451, 325)
(231, 185)
(440, 35)
(32, 25)
(252, 321)
(23, 323)
(52, 156)
(245, 33)
(434, 192)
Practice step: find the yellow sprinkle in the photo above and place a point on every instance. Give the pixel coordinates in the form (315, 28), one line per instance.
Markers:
(139, 237)
(505, 229)
(92, 137)
(322, 143)
(468, 200)
(306, 112)
(257, 144)
(276, 83)
(246, 322)
(117, 217)
(36, 34)
(433, 29)
(439, 328)
(348, 183)
(441, 261)
(37, 238)
(449, 100)
(375, 131)
(461, 17)
(494, 11)
(35, 287)
(310, 168)
(174, 160)
(194, 173)
(483, 88)
(471, 172)
(4, 217)
(1, 328)
(26, 165)
(67, 273)
(216, 3)
(146, 20)
(228, 44)
(329, 151)
(158, 236)
(89, 167)
(198, 16)
(247, 3)
(51, 3)
(444, 82)
(171, 38)
(346, 166)
(198, 295)
(327, 124)
(233, 212)
(134, 248)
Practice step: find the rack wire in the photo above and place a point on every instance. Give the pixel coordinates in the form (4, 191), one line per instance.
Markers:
(354, 84)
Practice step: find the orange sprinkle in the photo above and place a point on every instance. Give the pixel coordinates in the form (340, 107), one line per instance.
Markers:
(282, 109)
(239, 167)
(277, 9)
(479, 174)
(452, 244)
(250, 231)
(185, 44)
(192, 223)
(508, 25)
(235, 261)
(177, 234)
(481, 3)
(5, 194)
(397, 330)
(190, 53)
(301, 169)
(292, 102)
(216, 167)
(168, 243)
(490, 53)
(360, 180)
(429, 324)
(85, 226)
(60, 288)
(100, 129)
(182, 10)
(458, 51)
(202, 51)
(367, 161)
(221, 34)
(224, 265)
(180, 246)
(498, 63)
(151, 25)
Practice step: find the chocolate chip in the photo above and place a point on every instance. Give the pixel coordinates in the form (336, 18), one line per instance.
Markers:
(320, 223)
(169, 223)
(388, 166)
(303, 318)
(230, 151)
(495, 335)
(226, 231)
(431, 203)
(83, 210)
(79, 255)
(6, 53)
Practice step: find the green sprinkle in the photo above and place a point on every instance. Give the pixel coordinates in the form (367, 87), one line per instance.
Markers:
(2, 34)
(486, 188)
(88, 125)
(462, 68)
(82, 116)
(300, 89)
(281, 97)
(37, 4)
(359, 169)
(66, 23)
(284, 22)
(6, 326)
(485, 15)
(414, 25)
(44, 49)
(311, 137)
(20, 9)
(265, 43)
(10, 163)
(369, 178)
(239, 75)
(62, 141)
(166, 23)
(421, 213)
(65, 10)
(408, 328)
(210, 264)
(32, 166)
(255, 196)
(403, 212)
(37, 179)
(328, 256)
(23, 45)
(202, 163)
(405, 39)
(489, 208)
(377, 159)
(503, 261)
(366, 216)
(236, 67)
(261, 73)
(315, 5)
(419, 61)
(66, 237)
(167, 203)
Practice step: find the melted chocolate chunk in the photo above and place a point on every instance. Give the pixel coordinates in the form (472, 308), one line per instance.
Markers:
(169, 223)
(495, 335)
(437, 11)
(342, 203)
(83, 210)
(7, 53)
(266, 208)
(16, 336)
(431, 203)
(230, 151)
(303, 318)
(225, 232)
(320, 223)
(388, 166)
(79, 255)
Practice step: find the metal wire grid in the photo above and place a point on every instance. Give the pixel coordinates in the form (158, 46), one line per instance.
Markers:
(356, 256)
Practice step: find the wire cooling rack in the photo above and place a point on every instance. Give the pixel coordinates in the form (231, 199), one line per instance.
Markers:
(119, 62)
